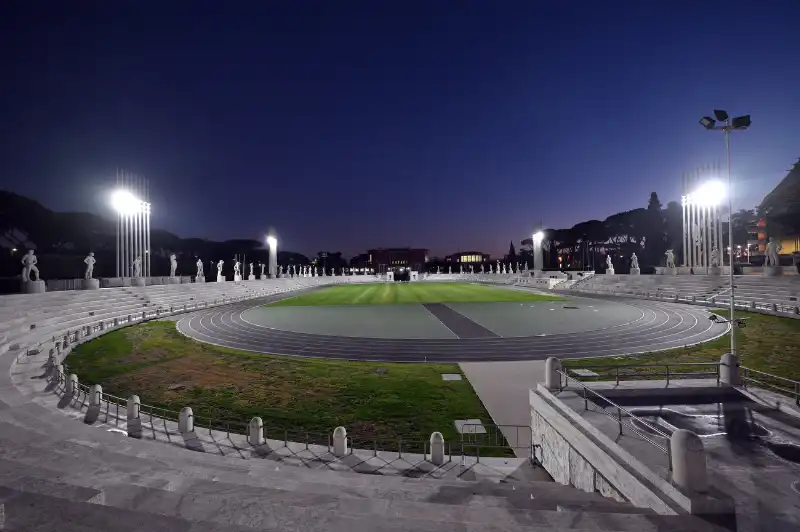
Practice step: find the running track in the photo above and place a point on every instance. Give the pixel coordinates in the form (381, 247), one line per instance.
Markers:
(662, 326)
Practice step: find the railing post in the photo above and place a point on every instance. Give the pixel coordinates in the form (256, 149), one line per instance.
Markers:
(340, 442)
(619, 420)
(186, 420)
(256, 434)
(72, 384)
(667, 372)
(97, 395)
(617, 374)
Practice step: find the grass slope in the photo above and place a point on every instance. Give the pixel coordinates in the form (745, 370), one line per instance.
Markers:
(304, 397)
(768, 343)
(409, 293)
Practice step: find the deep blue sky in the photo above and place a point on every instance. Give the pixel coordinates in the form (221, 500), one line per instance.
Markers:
(353, 124)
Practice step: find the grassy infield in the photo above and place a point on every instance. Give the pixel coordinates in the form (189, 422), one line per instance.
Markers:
(299, 396)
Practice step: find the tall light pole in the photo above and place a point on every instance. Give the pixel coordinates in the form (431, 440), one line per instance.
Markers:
(272, 242)
(133, 224)
(727, 126)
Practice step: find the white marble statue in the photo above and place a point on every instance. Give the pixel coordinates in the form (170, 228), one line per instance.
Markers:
(461, 268)
(29, 262)
(237, 268)
(137, 267)
(89, 261)
(450, 270)
(220, 264)
(262, 268)
(438, 270)
(481, 267)
(714, 257)
(199, 265)
(609, 264)
(471, 268)
(634, 261)
(773, 250)
(252, 270)
(503, 269)
(670, 258)
(173, 264)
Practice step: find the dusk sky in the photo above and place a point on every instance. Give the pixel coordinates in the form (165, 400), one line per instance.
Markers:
(449, 125)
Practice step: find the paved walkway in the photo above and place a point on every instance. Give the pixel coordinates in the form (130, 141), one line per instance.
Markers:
(503, 387)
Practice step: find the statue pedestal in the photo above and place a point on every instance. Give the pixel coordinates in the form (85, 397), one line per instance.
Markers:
(714, 270)
(220, 278)
(137, 281)
(773, 271)
(610, 271)
(174, 280)
(670, 270)
(91, 284)
(251, 277)
(33, 287)
(636, 271)
(237, 278)
(200, 279)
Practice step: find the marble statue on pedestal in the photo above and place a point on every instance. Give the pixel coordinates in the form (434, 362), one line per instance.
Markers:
(252, 270)
(481, 267)
(199, 264)
(29, 262)
(262, 269)
(219, 268)
(237, 268)
(634, 261)
(471, 268)
(609, 264)
(450, 270)
(772, 252)
(670, 258)
(460, 268)
(89, 261)
(714, 257)
(438, 270)
(137, 267)
(173, 265)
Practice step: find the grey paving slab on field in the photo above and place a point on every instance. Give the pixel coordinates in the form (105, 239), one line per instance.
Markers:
(369, 321)
(584, 373)
(470, 426)
(451, 376)
(460, 325)
(548, 317)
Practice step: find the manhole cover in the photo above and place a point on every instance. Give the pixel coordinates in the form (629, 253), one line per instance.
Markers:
(575, 308)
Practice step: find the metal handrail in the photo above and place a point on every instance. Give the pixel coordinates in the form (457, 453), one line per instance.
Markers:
(793, 391)
(667, 373)
(620, 410)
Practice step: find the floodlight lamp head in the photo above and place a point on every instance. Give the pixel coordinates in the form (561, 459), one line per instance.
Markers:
(710, 194)
(272, 241)
(720, 115)
(741, 122)
(125, 203)
(538, 236)
(708, 122)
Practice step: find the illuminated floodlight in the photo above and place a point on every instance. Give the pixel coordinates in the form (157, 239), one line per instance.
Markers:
(538, 237)
(710, 194)
(126, 203)
(272, 241)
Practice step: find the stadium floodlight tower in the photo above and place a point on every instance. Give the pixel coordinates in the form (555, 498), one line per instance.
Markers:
(272, 242)
(538, 259)
(133, 226)
(723, 122)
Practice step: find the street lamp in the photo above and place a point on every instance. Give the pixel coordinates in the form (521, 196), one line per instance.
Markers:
(538, 262)
(727, 126)
(272, 242)
(133, 230)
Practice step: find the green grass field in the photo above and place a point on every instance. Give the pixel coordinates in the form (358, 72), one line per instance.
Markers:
(295, 397)
(768, 343)
(409, 293)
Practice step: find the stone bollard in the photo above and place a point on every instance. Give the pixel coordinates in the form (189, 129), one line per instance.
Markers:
(340, 442)
(255, 435)
(729, 370)
(72, 384)
(688, 461)
(752, 304)
(552, 378)
(774, 307)
(694, 299)
(676, 298)
(144, 315)
(102, 326)
(186, 420)
(116, 322)
(96, 395)
(133, 407)
(437, 449)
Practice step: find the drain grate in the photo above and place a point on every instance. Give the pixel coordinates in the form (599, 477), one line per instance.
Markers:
(574, 308)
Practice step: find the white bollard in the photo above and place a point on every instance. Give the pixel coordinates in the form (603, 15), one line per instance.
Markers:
(340, 442)
(186, 420)
(96, 395)
(437, 449)
(688, 461)
(72, 384)
(729, 370)
(552, 378)
(255, 436)
(133, 407)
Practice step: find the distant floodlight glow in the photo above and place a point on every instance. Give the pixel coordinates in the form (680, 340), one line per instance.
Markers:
(125, 203)
(272, 241)
(710, 194)
(538, 237)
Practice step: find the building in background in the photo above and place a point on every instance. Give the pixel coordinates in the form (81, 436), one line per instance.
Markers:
(781, 213)
(383, 259)
(468, 257)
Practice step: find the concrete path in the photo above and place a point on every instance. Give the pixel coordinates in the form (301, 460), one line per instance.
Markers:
(503, 388)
